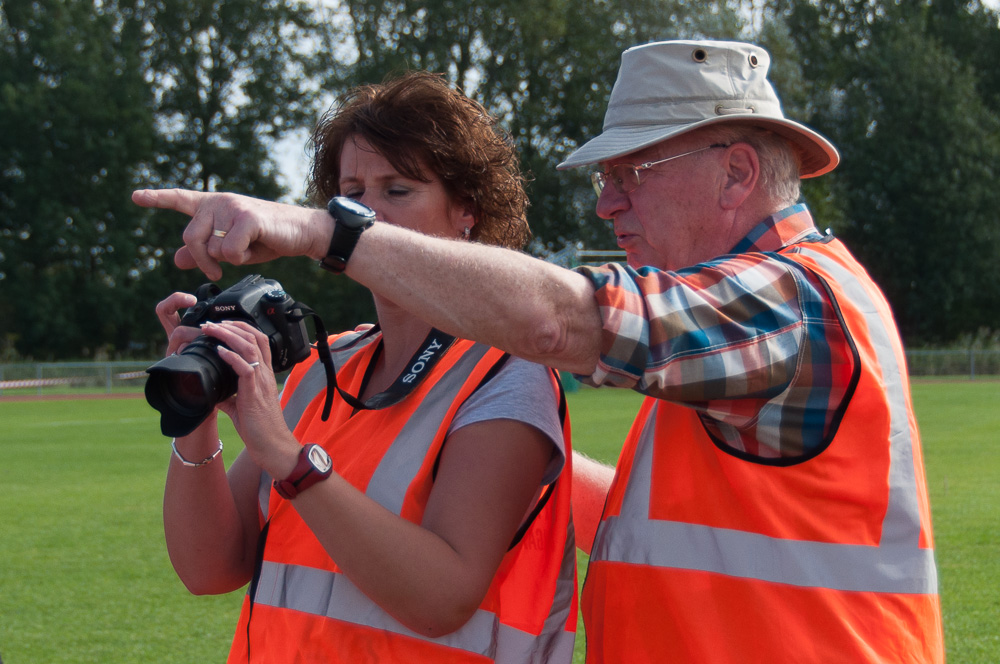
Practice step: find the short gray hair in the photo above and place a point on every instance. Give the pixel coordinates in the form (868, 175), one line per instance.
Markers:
(779, 162)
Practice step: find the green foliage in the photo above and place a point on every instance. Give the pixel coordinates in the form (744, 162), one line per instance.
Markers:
(229, 79)
(100, 98)
(922, 208)
(76, 127)
(912, 107)
(546, 69)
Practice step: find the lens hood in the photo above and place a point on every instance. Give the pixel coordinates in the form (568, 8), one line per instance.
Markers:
(185, 388)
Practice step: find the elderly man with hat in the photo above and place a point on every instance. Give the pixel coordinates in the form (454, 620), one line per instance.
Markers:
(770, 503)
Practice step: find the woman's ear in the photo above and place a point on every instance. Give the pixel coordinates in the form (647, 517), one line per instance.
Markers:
(742, 173)
(463, 219)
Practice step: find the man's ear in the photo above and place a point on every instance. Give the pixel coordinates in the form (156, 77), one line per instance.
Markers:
(742, 173)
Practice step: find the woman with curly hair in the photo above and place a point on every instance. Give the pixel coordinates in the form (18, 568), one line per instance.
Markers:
(427, 518)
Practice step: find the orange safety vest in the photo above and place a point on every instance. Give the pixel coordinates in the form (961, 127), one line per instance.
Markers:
(702, 556)
(302, 608)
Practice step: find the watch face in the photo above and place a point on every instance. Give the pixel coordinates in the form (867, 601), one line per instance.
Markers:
(319, 459)
(352, 212)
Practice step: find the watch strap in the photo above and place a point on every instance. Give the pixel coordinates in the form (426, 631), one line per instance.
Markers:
(342, 244)
(303, 476)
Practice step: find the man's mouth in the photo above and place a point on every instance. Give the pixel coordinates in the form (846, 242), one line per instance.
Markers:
(624, 239)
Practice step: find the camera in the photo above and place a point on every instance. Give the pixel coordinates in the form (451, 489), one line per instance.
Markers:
(186, 387)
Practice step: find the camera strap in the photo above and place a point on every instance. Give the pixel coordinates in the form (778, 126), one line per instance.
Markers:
(431, 350)
(323, 346)
(434, 346)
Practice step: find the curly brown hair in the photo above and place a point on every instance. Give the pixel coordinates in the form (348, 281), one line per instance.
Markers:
(417, 118)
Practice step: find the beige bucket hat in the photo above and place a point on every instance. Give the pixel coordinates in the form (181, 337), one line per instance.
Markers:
(668, 88)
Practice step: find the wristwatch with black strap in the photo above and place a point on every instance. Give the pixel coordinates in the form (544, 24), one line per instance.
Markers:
(314, 464)
(350, 220)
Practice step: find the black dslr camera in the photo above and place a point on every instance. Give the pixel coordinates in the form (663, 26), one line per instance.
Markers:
(186, 387)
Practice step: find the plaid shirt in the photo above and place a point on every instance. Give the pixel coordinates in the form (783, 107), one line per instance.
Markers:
(750, 340)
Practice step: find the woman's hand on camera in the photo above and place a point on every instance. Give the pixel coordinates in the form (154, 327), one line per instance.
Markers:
(255, 409)
(239, 230)
(178, 336)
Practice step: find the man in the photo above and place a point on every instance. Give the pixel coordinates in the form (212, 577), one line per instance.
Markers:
(769, 504)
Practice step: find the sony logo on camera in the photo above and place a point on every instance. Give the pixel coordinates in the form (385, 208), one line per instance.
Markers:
(186, 386)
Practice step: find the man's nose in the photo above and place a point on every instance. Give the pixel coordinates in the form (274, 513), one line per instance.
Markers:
(611, 203)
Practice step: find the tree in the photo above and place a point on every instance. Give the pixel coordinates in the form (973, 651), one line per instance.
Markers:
(914, 194)
(99, 97)
(920, 194)
(545, 68)
(76, 128)
(230, 78)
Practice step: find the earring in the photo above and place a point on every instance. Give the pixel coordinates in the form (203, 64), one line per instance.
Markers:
(466, 233)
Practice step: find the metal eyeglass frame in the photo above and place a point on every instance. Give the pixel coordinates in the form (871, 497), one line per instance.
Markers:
(617, 174)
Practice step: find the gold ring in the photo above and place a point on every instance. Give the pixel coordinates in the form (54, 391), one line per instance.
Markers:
(219, 233)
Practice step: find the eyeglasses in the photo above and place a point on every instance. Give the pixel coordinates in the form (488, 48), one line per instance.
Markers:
(625, 177)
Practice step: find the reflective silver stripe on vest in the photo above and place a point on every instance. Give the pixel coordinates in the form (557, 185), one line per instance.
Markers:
(264, 492)
(897, 565)
(329, 594)
(554, 644)
(314, 382)
(901, 525)
(402, 461)
(333, 595)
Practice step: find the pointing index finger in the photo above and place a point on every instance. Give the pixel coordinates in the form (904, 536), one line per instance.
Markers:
(181, 200)
(194, 253)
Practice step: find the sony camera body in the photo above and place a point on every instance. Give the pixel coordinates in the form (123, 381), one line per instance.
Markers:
(186, 387)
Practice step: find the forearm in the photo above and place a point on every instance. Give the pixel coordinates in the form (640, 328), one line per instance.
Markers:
(433, 576)
(591, 483)
(205, 537)
(496, 296)
(499, 297)
(411, 572)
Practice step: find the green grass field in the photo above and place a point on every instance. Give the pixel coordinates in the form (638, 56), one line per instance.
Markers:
(84, 575)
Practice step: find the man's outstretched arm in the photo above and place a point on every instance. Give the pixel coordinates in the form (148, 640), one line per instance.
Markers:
(496, 296)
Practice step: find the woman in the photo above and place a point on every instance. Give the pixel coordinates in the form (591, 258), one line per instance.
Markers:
(442, 533)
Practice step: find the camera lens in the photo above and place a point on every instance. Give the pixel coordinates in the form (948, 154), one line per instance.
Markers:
(185, 388)
(186, 391)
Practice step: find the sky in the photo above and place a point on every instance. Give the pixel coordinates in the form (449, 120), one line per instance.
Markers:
(293, 163)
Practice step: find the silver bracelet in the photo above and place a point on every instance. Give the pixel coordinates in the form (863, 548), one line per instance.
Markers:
(193, 464)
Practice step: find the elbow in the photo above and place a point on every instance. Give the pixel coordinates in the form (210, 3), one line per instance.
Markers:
(564, 346)
(558, 323)
(206, 582)
(547, 338)
(442, 612)
(437, 624)
(202, 587)
(199, 587)
(200, 590)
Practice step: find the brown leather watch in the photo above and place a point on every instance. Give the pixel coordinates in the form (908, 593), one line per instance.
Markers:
(314, 465)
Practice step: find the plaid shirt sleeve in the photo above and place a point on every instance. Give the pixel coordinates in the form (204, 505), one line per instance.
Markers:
(750, 341)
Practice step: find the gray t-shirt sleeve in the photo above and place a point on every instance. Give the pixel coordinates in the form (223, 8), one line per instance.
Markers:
(520, 391)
